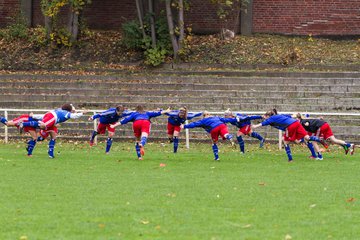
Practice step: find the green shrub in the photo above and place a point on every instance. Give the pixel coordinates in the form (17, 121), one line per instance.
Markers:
(155, 56)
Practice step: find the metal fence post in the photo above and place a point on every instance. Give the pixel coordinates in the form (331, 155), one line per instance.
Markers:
(6, 127)
(187, 136)
(280, 139)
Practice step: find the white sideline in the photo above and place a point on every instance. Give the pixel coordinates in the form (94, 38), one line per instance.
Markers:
(7, 110)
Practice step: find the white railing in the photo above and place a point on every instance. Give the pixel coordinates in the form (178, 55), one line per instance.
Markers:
(187, 135)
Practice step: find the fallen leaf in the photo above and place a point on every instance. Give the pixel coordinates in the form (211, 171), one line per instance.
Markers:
(288, 237)
(351, 199)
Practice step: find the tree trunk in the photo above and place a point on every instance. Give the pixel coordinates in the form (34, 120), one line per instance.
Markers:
(139, 7)
(73, 24)
(152, 23)
(171, 28)
(181, 24)
(48, 26)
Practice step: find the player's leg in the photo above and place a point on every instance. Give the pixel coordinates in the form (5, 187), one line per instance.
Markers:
(257, 136)
(347, 146)
(52, 143)
(176, 140)
(288, 150)
(32, 142)
(241, 142)
(215, 137)
(109, 142)
(3, 120)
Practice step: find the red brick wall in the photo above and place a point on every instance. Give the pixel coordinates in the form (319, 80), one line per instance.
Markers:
(303, 17)
(300, 17)
(8, 11)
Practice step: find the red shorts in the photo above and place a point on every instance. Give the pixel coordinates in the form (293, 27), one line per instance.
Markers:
(49, 120)
(101, 128)
(324, 131)
(23, 118)
(220, 130)
(294, 131)
(172, 128)
(140, 126)
(245, 130)
(44, 134)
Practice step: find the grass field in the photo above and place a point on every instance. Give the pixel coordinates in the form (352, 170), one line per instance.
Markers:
(85, 194)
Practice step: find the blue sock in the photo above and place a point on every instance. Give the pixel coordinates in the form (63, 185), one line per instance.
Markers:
(108, 144)
(229, 136)
(312, 150)
(241, 143)
(316, 139)
(302, 140)
(40, 138)
(93, 136)
(348, 145)
(216, 151)
(137, 148)
(143, 141)
(31, 124)
(31, 146)
(319, 155)
(51, 148)
(176, 144)
(256, 135)
(3, 120)
(288, 152)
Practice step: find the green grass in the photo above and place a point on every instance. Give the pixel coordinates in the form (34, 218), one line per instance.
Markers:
(85, 194)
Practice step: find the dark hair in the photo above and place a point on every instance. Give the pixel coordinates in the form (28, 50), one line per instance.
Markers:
(139, 108)
(120, 108)
(67, 107)
(271, 112)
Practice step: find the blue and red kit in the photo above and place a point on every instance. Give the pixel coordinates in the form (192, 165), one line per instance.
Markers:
(141, 121)
(108, 117)
(174, 120)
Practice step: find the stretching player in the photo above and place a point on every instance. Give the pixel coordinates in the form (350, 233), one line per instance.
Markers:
(243, 122)
(141, 126)
(320, 128)
(31, 130)
(294, 132)
(66, 112)
(176, 118)
(110, 116)
(216, 127)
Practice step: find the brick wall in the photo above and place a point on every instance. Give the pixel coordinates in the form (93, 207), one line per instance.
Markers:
(8, 11)
(302, 17)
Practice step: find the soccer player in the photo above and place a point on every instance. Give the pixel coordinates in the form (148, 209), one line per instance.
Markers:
(176, 118)
(48, 124)
(216, 127)
(320, 128)
(141, 126)
(294, 132)
(110, 116)
(243, 122)
(31, 130)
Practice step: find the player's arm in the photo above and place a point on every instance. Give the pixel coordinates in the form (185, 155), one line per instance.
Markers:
(193, 115)
(193, 124)
(228, 120)
(172, 113)
(76, 115)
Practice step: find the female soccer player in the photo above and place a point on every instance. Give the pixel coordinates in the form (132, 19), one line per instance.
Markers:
(294, 132)
(141, 126)
(106, 118)
(216, 127)
(176, 118)
(243, 122)
(31, 130)
(66, 112)
(321, 129)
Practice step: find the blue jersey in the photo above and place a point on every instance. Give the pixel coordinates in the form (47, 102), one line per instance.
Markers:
(175, 120)
(280, 121)
(134, 116)
(63, 115)
(241, 120)
(110, 116)
(208, 123)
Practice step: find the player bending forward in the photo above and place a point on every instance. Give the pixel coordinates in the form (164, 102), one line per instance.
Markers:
(243, 122)
(320, 128)
(216, 127)
(293, 131)
(106, 118)
(141, 126)
(176, 118)
(66, 112)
